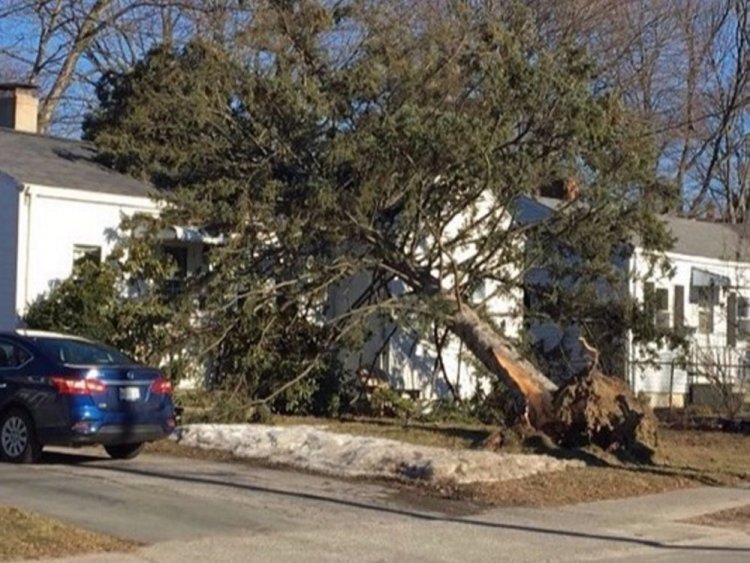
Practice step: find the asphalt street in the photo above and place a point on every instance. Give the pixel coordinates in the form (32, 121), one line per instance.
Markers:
(189, 510)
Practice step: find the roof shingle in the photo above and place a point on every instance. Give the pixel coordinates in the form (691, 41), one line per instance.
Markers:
(693, 237)
(63, 163)
(710, 239)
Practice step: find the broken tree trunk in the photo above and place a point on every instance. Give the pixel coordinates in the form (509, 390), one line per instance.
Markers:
(501, 358)
(595, 409)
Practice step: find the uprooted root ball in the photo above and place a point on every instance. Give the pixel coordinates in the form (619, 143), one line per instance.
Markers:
(602, 411)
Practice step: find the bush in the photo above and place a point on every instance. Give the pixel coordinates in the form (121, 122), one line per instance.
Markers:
(91, 303)
(267, 349)
(83, 304)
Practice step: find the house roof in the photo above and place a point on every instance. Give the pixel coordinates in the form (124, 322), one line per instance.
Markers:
(707, 238)
(693, 237)
(63, 163)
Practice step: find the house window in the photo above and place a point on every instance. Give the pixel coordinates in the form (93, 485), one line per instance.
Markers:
(656, 303)
(661, 308)
(743, 308)
(86, 253)
(706, 297)
(743, 319)
(705, 320)
(179, 258)
(178, 255)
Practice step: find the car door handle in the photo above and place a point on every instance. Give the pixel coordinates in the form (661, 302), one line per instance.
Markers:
(3, 385)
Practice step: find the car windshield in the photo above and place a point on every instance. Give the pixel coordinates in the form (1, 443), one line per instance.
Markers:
(81, 352)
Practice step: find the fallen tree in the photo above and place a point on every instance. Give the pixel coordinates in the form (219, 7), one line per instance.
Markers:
(391, 158)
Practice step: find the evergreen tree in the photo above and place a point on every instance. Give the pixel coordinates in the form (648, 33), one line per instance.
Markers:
(387, 139)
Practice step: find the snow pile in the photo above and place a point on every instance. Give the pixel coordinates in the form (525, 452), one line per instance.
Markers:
(317, 449)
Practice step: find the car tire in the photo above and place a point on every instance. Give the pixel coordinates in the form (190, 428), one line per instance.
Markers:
(124, 451)
(18, 441)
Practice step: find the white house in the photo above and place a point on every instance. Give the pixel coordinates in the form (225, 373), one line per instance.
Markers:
(433, 363)
(707, 295)
(409, 357)
(57, 204)
(704, 295)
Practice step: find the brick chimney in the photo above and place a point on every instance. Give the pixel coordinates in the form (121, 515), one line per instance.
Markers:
(18, 107)
(566, 189)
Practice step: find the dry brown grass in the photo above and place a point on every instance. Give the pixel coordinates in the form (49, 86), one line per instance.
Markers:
(735, 518)
(29, 536)
(684, 459)
(721, 454)
(572, 486)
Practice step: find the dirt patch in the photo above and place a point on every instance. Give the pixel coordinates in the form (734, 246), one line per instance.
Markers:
(29, 536)
(598, 410)
(574, 486)
(735, 518)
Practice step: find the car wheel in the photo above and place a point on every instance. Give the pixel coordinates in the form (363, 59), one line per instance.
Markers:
(18, 442)
(124, 451)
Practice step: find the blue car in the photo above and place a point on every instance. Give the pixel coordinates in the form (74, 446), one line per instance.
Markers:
(63, 390)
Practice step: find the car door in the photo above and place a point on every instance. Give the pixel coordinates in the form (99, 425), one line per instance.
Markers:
(13, 360)
(24, 379)
(5, 390)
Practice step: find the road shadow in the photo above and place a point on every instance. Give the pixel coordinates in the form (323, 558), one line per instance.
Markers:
(53, 457)
(123, 468)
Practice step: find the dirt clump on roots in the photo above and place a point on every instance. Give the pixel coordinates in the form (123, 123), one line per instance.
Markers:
(600, 410)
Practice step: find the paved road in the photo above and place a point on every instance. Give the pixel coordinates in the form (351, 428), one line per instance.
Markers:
(187, 510)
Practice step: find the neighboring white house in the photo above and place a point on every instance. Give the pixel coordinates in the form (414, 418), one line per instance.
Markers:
(707, 295)
(57, 204)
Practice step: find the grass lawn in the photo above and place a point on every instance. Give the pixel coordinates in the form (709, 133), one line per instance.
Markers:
(29, 536)
(686, 458)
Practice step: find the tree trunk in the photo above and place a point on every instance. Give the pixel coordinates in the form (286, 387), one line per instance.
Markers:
(502, 359)
(593, 410)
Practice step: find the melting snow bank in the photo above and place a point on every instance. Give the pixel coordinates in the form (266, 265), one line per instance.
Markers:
(317, 449)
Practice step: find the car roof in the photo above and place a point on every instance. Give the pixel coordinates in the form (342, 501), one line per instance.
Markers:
(29, 333)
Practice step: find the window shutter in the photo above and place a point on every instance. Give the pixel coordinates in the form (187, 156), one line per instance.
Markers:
(732, 320)
(649, 300)
(679, 307)
(649, 291)
(715, 294)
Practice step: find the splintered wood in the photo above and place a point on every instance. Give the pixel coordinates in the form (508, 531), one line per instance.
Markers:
(592, 410)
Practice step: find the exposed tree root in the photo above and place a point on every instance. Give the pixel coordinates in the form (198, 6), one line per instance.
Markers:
(602, 411)
(594, 409)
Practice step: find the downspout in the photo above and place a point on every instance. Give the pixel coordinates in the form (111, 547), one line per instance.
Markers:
(27, 199)
(630, 372)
